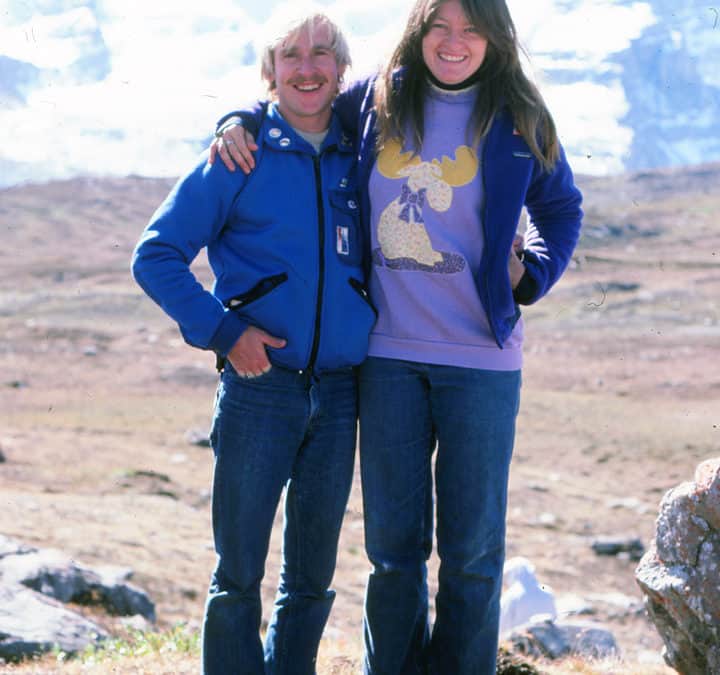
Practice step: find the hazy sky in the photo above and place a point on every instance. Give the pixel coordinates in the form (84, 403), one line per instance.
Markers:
(178, 64)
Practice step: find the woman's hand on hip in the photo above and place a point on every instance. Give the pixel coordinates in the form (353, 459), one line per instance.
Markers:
(516, 269)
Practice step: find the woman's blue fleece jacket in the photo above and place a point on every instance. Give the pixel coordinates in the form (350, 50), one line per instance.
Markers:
(284, 244)
(512, 178)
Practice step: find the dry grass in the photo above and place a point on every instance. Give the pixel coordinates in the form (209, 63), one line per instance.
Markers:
(177, 652)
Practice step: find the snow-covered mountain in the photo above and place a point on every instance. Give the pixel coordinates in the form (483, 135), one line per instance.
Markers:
(667, 77)
(124, 86)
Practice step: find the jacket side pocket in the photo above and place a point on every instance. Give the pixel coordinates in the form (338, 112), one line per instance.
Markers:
(260, 289)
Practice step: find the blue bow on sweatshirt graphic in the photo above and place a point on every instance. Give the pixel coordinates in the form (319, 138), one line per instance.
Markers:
(412, 200)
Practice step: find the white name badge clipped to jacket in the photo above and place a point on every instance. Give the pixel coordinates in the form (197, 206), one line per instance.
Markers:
(343, 240)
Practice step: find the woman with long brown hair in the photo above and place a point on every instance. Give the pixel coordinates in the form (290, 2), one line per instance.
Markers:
(454, 140)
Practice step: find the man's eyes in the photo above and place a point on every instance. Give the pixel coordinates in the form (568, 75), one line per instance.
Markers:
(293, 55)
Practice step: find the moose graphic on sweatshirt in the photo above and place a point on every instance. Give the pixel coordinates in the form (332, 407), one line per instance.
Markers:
(401, 229)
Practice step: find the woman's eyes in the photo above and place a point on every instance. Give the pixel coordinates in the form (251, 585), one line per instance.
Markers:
(471, 30)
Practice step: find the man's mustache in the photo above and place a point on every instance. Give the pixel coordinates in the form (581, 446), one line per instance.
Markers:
(307, 80)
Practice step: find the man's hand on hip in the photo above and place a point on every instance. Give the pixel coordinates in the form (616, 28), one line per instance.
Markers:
(248, 355)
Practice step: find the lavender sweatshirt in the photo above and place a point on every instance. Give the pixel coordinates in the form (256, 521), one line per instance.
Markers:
(427, 239)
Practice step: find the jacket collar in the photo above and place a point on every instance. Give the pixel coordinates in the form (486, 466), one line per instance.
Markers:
(278, 134)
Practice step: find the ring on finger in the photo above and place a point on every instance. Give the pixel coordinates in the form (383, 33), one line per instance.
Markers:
(230, 142)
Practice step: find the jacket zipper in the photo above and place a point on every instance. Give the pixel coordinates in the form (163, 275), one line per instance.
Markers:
(321, 262)
(489, 309)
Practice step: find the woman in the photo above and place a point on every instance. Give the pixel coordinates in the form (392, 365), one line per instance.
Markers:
(453, 141)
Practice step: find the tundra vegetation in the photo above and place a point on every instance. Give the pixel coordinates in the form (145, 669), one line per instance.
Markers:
(100, 403)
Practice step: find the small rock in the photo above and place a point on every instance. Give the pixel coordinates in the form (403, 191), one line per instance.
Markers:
(148, 482)
(556, 640)
(547, 519)
(198, 438)
(621, 286)
(615, 545)
(630, 503)
(147, 473)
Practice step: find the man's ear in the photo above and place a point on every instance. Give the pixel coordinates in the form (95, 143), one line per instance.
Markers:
(341, 73)
(271, 84)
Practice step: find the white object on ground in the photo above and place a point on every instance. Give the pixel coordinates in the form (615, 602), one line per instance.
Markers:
(524, 599)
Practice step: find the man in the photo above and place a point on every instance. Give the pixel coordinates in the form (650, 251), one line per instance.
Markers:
(289, 316)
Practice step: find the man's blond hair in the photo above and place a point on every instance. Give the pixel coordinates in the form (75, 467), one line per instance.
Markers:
(289, 30)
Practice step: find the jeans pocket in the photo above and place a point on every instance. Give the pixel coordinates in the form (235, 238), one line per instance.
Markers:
(237, 380)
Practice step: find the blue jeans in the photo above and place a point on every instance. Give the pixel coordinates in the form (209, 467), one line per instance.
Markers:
(282, 429)
(405, 408)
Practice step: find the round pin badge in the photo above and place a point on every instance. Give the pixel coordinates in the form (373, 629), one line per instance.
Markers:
(275, 133)
(284, 142)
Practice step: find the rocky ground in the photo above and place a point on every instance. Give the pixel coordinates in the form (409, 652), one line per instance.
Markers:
(98, 394)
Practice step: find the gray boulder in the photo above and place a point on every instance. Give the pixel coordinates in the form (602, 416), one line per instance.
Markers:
(632, 547)
(31, 623)
(56, 575)
(33, 584)
(680, 573)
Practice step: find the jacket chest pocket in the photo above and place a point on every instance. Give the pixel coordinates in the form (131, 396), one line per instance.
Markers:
(345, 208)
